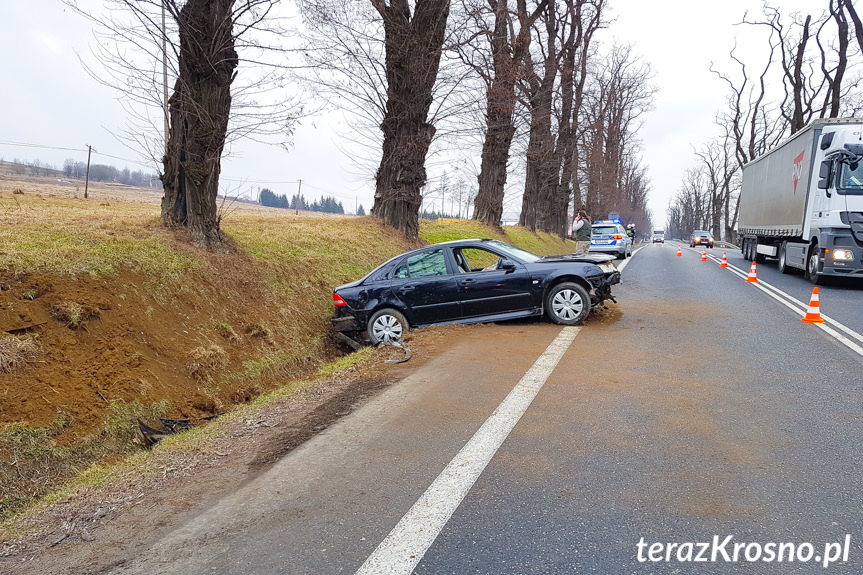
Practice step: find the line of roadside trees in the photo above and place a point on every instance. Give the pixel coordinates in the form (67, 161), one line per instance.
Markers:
(532, 84)
(326, 204)
(104, 173)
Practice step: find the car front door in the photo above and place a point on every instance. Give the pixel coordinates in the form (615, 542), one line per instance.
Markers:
(427, 288)
(485, 289)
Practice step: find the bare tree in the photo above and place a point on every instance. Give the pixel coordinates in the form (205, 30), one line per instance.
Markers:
(414, 44)
(619, 96)
(816, 84)
(380, 60)
(507, 47)
(202, 44)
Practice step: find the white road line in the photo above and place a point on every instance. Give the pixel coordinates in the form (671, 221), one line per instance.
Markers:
(800, 307)
(404, 547)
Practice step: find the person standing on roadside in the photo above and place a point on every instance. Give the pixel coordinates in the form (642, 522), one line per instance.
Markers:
(581, 232)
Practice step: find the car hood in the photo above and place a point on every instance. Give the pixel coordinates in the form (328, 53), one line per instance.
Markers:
(586, 258)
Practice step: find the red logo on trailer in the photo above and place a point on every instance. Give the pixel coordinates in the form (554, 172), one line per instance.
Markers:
(798, 170)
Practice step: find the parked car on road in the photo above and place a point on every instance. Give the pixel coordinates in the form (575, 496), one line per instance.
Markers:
(609, 237)
(470, 281)
(701, 238)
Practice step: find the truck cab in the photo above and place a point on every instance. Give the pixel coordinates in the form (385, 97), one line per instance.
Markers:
(835, 207)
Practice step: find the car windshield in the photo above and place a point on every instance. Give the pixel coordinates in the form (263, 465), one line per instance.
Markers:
(513, 251)
(604, 230)
(851, 178)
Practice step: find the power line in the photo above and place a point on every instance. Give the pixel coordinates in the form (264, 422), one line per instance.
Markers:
(44, 147)
(26, 145)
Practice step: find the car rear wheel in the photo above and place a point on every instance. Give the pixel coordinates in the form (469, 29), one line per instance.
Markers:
(387, 325)
(567, 304)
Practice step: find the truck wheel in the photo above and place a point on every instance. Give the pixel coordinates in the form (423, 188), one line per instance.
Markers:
(567, 304)
(813, 266)
(783, 265)
(387, 325)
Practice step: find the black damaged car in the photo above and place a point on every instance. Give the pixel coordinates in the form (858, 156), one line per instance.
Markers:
(471, 281)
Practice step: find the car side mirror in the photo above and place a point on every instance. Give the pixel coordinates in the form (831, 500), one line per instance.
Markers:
(824, 176)
(507, 265)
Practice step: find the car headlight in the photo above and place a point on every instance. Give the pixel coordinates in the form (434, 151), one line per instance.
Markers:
(843, 255)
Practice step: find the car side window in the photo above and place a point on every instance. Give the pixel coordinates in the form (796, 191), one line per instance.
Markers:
(422, 265)
(479, 259)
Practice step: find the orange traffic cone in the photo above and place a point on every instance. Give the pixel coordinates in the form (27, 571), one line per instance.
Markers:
(679, 253)
(704, 255)
(753, 275)
(813, 314)
(724, 263)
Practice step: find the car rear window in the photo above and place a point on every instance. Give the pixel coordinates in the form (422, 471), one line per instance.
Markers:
(604, 230)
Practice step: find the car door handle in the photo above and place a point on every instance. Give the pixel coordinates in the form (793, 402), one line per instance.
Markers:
(407, 289)
(468, 281)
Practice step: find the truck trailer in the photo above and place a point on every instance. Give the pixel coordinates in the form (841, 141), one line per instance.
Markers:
(802, 202)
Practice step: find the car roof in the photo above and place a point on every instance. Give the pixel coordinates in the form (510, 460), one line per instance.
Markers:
(446, 244)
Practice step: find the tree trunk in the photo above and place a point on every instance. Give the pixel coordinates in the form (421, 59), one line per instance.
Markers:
(500, 103)
(199, 110)
(508, 54)
(413, 52)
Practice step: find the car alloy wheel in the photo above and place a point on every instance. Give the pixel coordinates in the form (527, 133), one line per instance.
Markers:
(568, 304)
(387, 325)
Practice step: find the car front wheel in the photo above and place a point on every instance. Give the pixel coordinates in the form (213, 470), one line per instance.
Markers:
(567, 304)
(387, 325)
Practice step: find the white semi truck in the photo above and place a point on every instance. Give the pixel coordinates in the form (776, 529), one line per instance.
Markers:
(802, 202)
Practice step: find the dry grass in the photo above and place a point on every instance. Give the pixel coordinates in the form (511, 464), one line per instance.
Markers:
(73, 314)
(15, 352)
(227, 332)
(205, 360)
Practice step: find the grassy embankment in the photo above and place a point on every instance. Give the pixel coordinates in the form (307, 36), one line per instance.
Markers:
(141, 324)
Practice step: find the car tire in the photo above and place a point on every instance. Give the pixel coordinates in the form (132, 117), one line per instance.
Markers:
(387, 325)
(567, 303)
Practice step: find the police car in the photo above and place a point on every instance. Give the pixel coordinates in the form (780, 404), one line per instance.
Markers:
(609, 237)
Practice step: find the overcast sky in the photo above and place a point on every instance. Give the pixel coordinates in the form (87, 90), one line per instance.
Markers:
(47, 99)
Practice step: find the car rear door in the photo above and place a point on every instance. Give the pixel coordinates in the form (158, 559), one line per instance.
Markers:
(427, 289)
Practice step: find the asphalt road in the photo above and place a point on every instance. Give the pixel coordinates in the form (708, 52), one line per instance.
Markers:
(698, 407)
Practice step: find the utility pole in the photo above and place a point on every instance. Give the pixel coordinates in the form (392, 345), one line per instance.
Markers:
(299, 196)
(87, 178)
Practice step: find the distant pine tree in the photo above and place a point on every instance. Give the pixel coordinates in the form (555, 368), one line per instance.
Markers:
(361, 211)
